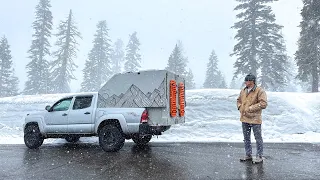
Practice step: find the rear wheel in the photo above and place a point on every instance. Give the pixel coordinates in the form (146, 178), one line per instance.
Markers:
(72, 138)
(32, 136)
(111, 138)
(141, 139)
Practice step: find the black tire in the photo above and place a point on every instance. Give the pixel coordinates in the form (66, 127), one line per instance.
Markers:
(32, 136)
(72, 138)
(141, 140)
(111, 138)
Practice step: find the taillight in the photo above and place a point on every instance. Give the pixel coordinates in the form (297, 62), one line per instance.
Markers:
(144, 117)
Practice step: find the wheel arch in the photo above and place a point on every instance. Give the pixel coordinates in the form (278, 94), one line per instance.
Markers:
(116, 119)
(114, 122)
(38, 121)
(31, 123)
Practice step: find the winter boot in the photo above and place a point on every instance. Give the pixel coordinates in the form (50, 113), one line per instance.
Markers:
(257, 160)
(246, 158)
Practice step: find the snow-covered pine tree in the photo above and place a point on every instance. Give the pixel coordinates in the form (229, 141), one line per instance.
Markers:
(97, 69)
(63, 66)
(13, 84)
(274, 62)
(260, 46)
(189, 80)
(38, 67)
(292, 84)
(308, 54)
(177, 63)
(133, 58)
(214, 77)
(8, 81)
(117, 56)
(236, 83)
(223, 83)
(246, 49)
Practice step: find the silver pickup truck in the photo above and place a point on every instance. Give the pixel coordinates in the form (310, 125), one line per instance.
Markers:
(129, 106)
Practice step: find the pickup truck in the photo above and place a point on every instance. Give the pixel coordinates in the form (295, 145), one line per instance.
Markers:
(129, 106)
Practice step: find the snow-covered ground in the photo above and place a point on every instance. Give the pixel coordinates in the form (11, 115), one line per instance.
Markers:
(211, 116)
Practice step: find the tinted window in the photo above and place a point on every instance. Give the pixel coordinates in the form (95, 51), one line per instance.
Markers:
(82, 102)
(63, 105)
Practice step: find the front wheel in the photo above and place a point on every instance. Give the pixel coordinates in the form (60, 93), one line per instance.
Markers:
(111, 138)
(32, 136)
(141, 139)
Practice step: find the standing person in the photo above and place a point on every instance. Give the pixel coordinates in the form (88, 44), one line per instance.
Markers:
(251, 101)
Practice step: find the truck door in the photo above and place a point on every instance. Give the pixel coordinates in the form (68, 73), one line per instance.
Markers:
(57, 118)
(80, 116)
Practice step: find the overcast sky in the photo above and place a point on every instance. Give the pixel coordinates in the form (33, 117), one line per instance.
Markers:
(200, 25)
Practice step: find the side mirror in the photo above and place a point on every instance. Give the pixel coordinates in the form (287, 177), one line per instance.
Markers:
(48, 107)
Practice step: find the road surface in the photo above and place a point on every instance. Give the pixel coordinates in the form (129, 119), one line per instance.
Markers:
(158, 161)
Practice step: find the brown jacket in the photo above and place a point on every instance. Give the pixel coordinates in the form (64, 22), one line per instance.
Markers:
(251, 105)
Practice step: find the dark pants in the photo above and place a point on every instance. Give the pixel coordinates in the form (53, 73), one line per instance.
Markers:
(246, 128)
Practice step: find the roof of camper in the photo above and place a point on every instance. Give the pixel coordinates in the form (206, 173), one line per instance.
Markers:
(147, 70)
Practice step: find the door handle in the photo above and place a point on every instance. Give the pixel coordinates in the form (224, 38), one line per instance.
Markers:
(86, 113)
(64, 114)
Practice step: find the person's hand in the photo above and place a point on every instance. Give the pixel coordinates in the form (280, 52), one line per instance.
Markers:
(249, 110)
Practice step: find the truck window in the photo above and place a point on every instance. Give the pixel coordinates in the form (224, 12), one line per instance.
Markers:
(63, 105)
(82, 102)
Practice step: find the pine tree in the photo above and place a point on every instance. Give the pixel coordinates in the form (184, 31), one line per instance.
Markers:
(181, 47)
(38, 68)
(13, 84)
(97, 68)
(8, 82)
(214, 77)
(247, 32)
(63, 66)
(133, 58)
(223, 83)
(291, 73)
(117, 56)
(189, 80)
(260, 46)
(236, 83)
(177, 63)
(308, 54)
(233, 84)
(274, 75)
